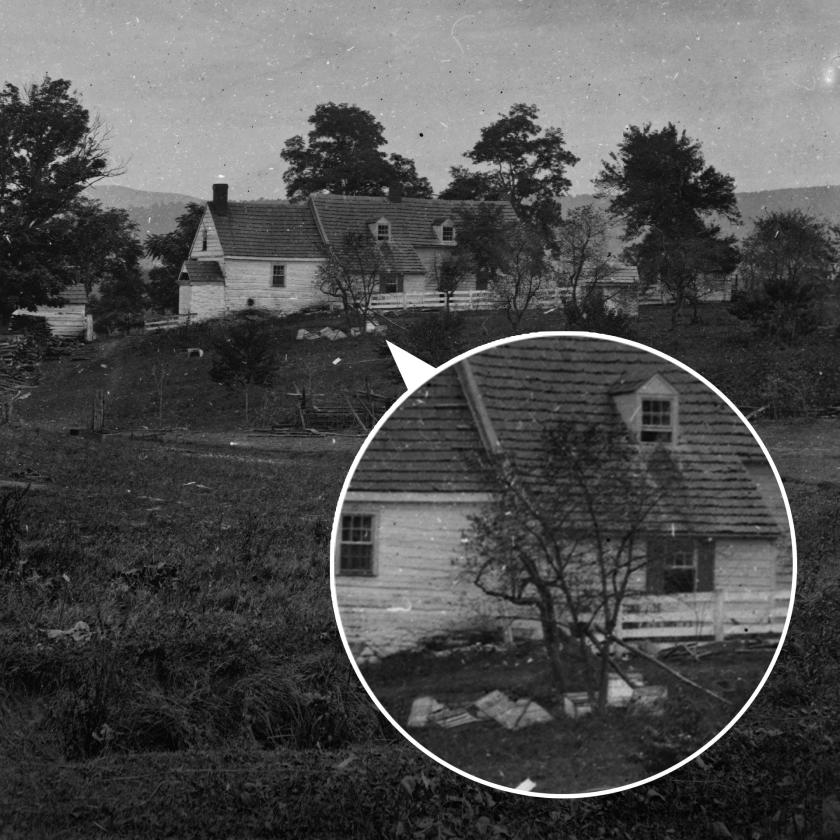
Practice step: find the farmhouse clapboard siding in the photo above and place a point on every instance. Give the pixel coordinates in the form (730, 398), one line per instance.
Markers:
(399, 581)
(267, 254)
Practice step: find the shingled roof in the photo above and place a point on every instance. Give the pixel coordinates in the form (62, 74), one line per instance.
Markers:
(267, 229)
(432, 442)
(200, 271)
(412, 222)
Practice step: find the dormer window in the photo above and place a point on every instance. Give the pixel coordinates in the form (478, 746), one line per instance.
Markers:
(649, 408)
(444, 231)
(657, 423)
(380, 229)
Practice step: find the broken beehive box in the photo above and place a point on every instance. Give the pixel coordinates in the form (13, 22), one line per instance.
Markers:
(576, 704)
(512, 714)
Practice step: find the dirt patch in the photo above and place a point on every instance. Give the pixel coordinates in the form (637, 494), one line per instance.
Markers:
(565, 755)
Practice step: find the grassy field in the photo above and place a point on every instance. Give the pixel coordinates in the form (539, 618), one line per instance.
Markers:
(207, 693)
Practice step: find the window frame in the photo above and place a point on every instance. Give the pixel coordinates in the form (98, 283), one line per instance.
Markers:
(663, 556)
(273, 279)
(447, 234)
(383, 232)
(371, 569)
(389, 277)
(652, 431)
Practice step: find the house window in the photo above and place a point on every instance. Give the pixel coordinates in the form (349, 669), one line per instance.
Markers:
(391, 283)
(680, 564)
(447, 233)
(356, 548)
(657, 421)
(482, 280)
(278, 276)
(383, 232)
(204, 239)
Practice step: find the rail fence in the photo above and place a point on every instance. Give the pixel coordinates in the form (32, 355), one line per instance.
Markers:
(711, 615)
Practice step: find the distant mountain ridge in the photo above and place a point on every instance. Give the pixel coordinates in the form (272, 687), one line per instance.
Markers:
(152, 212)
(822, 202)
(156, 212)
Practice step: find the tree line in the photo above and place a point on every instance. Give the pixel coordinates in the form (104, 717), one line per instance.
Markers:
(657, 184)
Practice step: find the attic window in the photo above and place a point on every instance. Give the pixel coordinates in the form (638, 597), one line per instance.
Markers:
(356, 550)
(657, 421)
(383, 232)
(447, 233)
(204, 239)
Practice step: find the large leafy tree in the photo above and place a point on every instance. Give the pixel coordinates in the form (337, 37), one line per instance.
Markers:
(659, 184)
(170, 250)
(50, 150)
(343, 154)
(789, 263)
(99, 243)
(519, 160)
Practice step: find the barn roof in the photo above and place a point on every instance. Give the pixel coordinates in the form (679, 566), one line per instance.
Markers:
(432, 442)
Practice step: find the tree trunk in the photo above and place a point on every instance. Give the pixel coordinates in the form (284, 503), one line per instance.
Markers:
(553, 642)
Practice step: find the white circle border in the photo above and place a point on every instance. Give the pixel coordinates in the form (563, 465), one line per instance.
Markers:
(384, 419)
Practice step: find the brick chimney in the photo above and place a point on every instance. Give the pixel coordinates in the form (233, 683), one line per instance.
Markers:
(395, 192)
(220, 199)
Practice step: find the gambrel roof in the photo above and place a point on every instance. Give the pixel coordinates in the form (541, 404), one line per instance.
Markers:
(433, 443)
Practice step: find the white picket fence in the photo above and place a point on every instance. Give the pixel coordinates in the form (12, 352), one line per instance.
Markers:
(704, 614)
(168, 322)
(712, 615)
(465, 299)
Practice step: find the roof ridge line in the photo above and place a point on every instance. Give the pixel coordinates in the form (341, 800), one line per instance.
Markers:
(310, 200)
(478, 408)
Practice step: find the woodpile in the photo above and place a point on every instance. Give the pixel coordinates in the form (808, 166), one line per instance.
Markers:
(20, 356)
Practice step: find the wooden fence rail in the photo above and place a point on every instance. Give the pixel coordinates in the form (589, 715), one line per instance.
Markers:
(712, 615)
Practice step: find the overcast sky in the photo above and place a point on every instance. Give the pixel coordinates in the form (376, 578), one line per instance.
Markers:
(193, 91)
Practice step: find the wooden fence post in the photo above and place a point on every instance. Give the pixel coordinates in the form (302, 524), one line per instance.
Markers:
(97, 419)
(719, 615)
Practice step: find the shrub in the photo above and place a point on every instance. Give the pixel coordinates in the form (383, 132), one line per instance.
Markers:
(436, 338)
(782, 309)
(593, 313)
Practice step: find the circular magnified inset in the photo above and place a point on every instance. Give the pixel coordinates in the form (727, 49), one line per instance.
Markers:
(564, 565)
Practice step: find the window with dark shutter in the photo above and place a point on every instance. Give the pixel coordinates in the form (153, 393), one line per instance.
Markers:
(390, 283)
(680, 564)
(705, 565)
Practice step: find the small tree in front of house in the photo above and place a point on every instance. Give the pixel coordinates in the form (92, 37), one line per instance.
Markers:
(247, 353)
(564, 538)
(509, 255)
(353, 274)
(581, 250)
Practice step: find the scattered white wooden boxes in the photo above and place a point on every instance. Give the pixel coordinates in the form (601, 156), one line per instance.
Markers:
(517, 714)
(640, 698)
